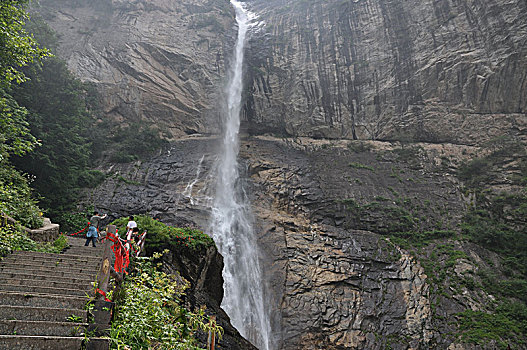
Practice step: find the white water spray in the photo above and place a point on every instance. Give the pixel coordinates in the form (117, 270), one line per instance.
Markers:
(190, 186)
(232, 224)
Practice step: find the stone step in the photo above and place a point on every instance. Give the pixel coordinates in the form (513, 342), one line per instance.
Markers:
(42, 300)
(63, 263)
(16, 342)
(47, 261)
(80, 243)
(49, 256)
(61, 329)
(45, 284)
(9, 312)
(49, 274)
(83, 272)
(85, 250)
(45, 290)
(83, 281)
(18, 266)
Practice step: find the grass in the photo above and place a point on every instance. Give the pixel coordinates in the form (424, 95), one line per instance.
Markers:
(356, 165)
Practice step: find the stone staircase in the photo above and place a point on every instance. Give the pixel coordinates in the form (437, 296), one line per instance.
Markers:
(43, 298)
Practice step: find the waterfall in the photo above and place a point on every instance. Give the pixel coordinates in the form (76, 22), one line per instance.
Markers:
(190, 186)
(232, 222)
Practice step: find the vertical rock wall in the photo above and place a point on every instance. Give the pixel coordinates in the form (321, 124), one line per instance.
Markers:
(157, 62)
(387, 69)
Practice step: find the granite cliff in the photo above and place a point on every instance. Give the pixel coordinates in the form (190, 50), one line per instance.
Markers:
(449, 71)
(157, 63)
(377, 132)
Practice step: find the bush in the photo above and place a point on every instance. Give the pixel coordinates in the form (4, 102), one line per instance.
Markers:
(74, 222)
(13, 239)
(91, 178)
(135, 142)
(150, 315)
(15, 198)
(161, 236)
(505, 326)
(500, 226)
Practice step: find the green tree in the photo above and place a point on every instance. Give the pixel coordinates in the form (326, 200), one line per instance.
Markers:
(59, 118)
(17, 47)
(15, 137)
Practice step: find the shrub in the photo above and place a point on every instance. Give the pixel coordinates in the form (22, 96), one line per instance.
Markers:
(13, 239)
(500, 226)
(91, 178)
(150, 316)
(135, 142)
(15, 198)
(162, 236)
(74, 222)
(505, 326)
(356, 165)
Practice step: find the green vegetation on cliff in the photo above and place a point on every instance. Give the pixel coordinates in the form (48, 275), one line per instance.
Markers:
(161, 236)
(447, 234)
(52, 106)
(150, 312)
(18, 47)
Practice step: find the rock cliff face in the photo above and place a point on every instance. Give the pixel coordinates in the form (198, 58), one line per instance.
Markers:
(325, 211)
(357, 69)
(448, 71)
(156, 62)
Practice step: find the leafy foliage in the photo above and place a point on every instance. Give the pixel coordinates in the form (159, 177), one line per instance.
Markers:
(15, 138)
(161, 236)
(71, 222)
(151, 315)
(13, 238)
(18, 47)
(58, 117)
(15, 198)
(500, 225)
(135, 142)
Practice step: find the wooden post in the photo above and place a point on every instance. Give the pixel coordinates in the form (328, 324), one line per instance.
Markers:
(211, 341)
(103, 276)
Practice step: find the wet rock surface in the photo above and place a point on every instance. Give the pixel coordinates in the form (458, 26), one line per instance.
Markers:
(156, 62)
(335, 278)
(453, 71)
(203, 269)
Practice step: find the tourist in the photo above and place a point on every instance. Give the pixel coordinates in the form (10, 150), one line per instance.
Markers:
(130, 226)
(93, 230)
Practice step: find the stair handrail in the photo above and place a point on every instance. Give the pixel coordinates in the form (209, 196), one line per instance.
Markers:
(106, 270)
(103, 277)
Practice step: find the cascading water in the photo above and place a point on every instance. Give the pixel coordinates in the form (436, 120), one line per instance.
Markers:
(232, 224)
